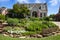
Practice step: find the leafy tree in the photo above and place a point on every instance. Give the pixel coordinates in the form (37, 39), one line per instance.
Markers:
(21, 9)
(52, 15)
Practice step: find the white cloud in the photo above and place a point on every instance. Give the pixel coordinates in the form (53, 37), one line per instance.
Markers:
(4, 0)
(37, 1)
(54, 2)
(22, 1)
(40, 1)
(27, 1)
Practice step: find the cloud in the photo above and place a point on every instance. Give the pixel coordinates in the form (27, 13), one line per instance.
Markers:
(4, 0)
(40, 1)
(54, 2)
(27, 1)
(23, 1)
(37, 1)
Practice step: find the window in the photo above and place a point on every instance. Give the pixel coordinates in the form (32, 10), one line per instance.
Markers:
(44, 14)
(40, 7)
(40, 14)
(43, 7)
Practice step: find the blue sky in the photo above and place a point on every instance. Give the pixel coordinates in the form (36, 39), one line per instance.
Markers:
(53, 5)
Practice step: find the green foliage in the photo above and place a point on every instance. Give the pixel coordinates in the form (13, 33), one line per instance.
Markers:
(7, 28)
(39, 25)
(21, 9)
(12, 21)
(36, 26)
(52, 15)
(2, 17)
(46, 18)
(23, 22)
(16, 29)
(28, 33)
(52, 25)
(34, 19)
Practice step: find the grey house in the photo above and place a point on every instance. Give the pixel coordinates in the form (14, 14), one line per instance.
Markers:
(37, 9)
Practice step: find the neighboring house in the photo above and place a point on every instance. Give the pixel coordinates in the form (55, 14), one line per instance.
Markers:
(57, 16)
(37, 9)
(3, 11)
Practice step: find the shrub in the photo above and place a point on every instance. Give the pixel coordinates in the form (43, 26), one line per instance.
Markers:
(16, 29)
(34, 19)
(36, 26)
(46, 18)
(51, 25)
(2, 17)
(39, 25)
(23, 22)
(13, 21)
(7, 28)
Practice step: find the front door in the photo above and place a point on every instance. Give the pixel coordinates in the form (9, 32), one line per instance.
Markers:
(34, 14)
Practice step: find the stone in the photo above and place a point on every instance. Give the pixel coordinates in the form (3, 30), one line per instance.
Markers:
(22, 37)
(5, 35)
(11, 35)
(53, 33)
(39, 36)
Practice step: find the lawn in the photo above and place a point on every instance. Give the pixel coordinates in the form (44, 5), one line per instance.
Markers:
(46, 38)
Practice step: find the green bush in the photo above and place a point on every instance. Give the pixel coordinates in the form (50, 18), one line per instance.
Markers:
(13, 21)
(2, 17)
(7, 28)
(36, 26)
(39, 25)
(16, 29)
(34, 19)
(46, 18)
(51, 25)
(23, 22)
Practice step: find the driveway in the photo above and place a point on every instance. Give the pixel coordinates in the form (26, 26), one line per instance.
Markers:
(57, 23)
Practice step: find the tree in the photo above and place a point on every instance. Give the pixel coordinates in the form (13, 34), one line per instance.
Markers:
(52, 16)
(46, 18)
(21, 9)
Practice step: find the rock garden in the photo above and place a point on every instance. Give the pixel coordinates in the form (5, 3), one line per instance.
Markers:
(28, 28)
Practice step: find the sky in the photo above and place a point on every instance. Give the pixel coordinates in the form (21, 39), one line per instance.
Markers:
(53, 5)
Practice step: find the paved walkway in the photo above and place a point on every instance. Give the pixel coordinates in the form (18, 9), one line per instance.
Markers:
(57, 23)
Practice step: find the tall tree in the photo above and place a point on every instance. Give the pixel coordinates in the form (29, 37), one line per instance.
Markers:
(21, 9)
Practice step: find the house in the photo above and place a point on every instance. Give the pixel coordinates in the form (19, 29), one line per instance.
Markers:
(3, 11)
(57, 16)
(37, 9)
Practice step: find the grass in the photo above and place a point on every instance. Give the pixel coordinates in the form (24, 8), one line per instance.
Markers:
(46, 38)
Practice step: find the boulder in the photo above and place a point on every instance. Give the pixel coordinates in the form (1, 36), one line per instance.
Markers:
(39, 36)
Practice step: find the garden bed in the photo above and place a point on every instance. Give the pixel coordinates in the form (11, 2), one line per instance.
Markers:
(29, 28)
